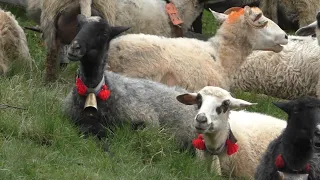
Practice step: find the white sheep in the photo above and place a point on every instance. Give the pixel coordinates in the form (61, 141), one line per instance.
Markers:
(292, 73)
(221, 128)
(192, 63)
(13, 44)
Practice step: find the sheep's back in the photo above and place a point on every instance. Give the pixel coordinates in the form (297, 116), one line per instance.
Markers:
(191, 62)
(254, 132)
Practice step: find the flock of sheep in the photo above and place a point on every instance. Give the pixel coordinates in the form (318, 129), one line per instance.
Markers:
(135, 68)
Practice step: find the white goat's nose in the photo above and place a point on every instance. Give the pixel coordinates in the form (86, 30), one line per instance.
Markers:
(201, 118)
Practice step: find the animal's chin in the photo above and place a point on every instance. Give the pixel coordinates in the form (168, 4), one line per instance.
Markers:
(74, 57)
(277, 48)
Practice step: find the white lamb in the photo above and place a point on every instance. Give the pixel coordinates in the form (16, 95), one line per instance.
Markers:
(14, 49)
(221, 128)
(192, 63)
(292, 73)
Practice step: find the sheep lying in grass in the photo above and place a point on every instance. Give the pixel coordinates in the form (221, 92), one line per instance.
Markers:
(288, 156)
(192, 63)
(311, 29)
(292, 73)
(14, 49)
(221, 128)
(118, 98)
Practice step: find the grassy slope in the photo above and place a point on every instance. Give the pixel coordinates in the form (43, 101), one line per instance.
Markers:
(40, 143)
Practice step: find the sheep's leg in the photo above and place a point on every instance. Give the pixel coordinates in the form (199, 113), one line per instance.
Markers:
(85, 7)
(213, 163)
(318, 89)
(51, 62)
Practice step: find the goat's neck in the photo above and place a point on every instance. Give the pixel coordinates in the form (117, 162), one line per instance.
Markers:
(296, 152)
(216, 140)
(92, 67)
(232, 46)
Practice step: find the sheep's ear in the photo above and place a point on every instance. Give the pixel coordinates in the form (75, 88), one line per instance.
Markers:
(81, 18)
(115, 31)
(307, 30)
(239, 103)
(187, 99)
(219, 16)
(284, 106)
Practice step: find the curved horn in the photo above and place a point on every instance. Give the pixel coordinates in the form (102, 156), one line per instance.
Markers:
(228, 11)
(255, 23)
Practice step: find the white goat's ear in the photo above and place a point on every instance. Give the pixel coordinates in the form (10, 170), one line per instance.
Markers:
(239, 103)
(219, 16)
(307, 30)
(187, 99)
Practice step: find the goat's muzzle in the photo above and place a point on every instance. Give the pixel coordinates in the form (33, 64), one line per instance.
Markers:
(90, 105)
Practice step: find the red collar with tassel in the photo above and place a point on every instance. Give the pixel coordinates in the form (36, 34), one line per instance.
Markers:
(280, 164)
(231, 145)
(101, 90)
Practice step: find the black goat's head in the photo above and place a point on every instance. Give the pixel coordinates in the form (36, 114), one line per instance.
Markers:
(93, 35)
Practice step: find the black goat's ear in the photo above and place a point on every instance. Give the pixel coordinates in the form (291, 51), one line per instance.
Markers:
(118, 30)
(284, 106)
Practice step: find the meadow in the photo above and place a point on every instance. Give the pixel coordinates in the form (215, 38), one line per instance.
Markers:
(40, 142)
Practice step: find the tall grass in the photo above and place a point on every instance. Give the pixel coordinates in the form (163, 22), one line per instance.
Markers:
(39, 142)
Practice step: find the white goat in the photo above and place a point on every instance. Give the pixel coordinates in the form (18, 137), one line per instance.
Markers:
(292, 73)
(13, 43)
(220, 126)
(192, 63)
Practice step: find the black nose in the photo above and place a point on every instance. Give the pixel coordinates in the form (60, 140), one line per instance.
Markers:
(286, 36)
(201, 118)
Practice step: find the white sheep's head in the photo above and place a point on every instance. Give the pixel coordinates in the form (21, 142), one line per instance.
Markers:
(263, 33)
(214, 106)
(311, 29)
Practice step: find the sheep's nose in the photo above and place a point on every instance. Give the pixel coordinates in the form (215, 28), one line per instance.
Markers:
(286, 36)
(201, 118)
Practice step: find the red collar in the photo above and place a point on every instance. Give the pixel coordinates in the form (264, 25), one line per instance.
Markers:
(231, 145)
(279, 162)
(100, 91)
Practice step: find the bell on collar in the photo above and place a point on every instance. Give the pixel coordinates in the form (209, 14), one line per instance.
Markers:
(91, 104)
(292, 176)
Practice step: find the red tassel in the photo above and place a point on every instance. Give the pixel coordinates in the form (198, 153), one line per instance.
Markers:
(231, 147)
(279, 162)
(81, 88)
(104, 93)
(198, 143)
(308, 167)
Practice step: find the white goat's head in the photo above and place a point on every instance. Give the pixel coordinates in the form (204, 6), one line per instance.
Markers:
(263, 33)
(311, 29)
(214, 105)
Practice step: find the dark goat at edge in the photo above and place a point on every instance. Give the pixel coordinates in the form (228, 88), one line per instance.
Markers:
(293, 155)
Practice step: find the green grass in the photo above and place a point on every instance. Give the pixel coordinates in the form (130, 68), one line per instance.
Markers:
(41, 143)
